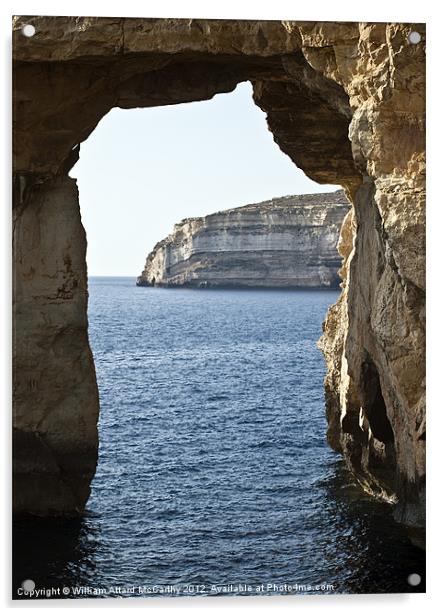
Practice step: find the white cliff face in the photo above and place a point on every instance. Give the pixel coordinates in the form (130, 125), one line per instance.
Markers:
(285, 242)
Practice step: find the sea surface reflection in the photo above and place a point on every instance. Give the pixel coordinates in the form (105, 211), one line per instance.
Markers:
(214, 474)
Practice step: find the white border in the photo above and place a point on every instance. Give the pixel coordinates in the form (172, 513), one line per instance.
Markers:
(321, 10)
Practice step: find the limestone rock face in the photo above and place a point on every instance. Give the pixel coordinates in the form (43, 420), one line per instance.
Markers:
(345, 101)
(55, 391)
(286, 242)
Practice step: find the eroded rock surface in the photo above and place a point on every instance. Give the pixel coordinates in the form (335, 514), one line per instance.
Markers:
(55, 391)
(346, 103)
(288, 242)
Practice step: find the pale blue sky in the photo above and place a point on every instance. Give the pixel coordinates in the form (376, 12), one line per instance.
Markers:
(143, 170)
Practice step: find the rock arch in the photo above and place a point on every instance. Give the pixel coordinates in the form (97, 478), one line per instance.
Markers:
(345, 101)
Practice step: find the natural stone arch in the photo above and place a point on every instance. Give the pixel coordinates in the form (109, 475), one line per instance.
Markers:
(345, 102)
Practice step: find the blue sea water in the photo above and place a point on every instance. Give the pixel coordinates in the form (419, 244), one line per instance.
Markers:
(214, 475)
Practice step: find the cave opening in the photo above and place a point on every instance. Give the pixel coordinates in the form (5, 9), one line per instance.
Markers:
(192, 383)
(374, 404)
(149, 147)
(308, 116)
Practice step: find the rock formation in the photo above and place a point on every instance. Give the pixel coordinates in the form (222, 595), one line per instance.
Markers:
(287, 242)
(345, 101)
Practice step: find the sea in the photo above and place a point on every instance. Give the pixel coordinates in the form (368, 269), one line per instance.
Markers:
(214, 475)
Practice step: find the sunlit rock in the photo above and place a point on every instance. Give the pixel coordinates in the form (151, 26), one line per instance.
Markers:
(289, 242)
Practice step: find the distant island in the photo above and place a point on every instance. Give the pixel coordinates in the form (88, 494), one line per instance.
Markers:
(287, 242)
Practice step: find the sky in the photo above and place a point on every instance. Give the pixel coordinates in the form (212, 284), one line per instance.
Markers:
(143, 170)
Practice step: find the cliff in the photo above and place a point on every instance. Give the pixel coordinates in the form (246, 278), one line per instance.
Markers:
(346, 102)
(285, 242)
